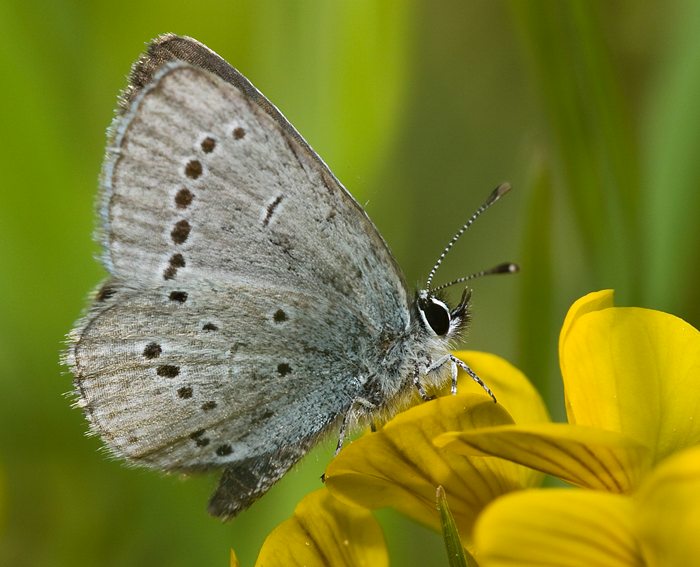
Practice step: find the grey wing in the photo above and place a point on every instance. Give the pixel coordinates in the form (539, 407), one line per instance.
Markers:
(235, 376)
(247, 284)
(205, 178)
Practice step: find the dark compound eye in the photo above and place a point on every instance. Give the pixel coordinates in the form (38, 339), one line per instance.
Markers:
(436, 314)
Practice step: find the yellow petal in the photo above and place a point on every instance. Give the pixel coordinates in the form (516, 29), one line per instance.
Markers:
(510, 386)
(324, 531)
(399, 466)
(566, 528)
(595, 301)
(634, 371)
(668, 514)
(233, 559)
(584, 456)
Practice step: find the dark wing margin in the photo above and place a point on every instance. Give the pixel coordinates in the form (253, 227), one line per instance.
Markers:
(244, 482)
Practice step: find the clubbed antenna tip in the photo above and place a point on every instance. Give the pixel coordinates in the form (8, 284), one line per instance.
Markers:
(499, 191)
(505, 268)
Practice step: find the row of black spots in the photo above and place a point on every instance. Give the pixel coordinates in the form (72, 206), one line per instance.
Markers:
(184, 392)
(208, 144)
(194, 169)
(178, 296)
(176, 261)
(183, 198)
(168, 370)
(223, 450)
(180, 232)
(182, 228)
(152, 350)
(199, 439)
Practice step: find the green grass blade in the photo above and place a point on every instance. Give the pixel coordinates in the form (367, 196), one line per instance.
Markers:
(456, 554)
(672, 171)
(538, 319)
(592, 142)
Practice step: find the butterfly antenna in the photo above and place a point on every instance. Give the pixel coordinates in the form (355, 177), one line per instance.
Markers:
(497, 193)
(506, 268)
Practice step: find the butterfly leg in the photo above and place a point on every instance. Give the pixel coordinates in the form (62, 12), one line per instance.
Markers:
(453, 369)
(421, 390)
(463, 365)
(453, 373)
(454, 363)
(349, 415)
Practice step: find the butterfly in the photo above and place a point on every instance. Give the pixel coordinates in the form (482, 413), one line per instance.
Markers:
(251, 306)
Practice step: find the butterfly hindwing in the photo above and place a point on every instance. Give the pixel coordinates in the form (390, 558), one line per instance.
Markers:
(223, 376)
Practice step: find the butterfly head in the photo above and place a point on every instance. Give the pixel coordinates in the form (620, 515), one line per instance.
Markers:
(434, 313)
(437, 317)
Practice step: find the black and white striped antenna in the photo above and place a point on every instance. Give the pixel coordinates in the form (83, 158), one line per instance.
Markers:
(507, 268)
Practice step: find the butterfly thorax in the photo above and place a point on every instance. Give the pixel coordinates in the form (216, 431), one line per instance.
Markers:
(407, 356)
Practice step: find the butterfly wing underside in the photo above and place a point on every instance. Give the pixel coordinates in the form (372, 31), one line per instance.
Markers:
(239, 376)
(246, 283)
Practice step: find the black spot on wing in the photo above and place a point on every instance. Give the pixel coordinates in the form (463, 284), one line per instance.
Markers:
(152, 350)
(180, 232)
(183, 198)
(193, 169)
(208, 145)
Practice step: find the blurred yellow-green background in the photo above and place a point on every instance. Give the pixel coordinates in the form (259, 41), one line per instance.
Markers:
(590, 109)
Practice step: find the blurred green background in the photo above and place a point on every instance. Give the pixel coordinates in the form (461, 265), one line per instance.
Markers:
(590, 109)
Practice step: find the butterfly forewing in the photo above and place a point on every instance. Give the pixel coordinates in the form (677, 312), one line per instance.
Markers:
(203, 182)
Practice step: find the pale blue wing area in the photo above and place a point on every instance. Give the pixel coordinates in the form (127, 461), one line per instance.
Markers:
(221, 375)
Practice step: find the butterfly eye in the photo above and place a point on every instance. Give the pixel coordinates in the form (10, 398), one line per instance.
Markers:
(436, 314)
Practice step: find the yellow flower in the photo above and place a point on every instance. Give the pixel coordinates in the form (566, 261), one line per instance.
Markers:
(631, 379)
(323, 531)
(399, 466)
(657, 526)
